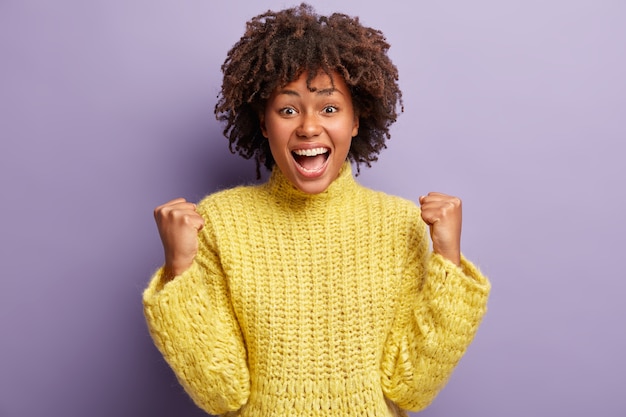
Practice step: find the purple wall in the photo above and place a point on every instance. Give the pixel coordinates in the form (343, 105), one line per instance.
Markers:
(518, 107)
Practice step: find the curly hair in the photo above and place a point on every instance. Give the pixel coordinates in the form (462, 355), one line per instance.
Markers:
(278, 47)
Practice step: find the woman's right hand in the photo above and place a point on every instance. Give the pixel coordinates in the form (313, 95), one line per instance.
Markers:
(178, 224)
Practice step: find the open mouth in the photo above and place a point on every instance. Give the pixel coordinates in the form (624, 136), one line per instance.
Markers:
(311, 160)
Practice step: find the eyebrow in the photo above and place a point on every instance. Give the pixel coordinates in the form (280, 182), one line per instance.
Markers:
(322, 92)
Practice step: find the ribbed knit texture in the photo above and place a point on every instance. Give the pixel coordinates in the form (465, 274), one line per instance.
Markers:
(314, 305)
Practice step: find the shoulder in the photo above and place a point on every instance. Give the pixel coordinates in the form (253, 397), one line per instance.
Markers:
(225, 211)
(390, 202)
(398, 215)
(238, 198)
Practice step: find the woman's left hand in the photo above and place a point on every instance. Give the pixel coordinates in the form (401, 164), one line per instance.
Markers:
(443, 214)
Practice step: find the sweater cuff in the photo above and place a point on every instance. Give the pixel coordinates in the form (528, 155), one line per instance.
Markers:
(467, 272)
(159, 284)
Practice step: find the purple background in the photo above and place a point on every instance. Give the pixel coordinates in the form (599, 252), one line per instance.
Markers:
(519, 107)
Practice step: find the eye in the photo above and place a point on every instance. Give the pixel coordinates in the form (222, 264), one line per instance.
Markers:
(287, 111)
(330, 109)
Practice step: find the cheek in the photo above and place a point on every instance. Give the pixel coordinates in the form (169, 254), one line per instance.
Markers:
(274, 127)
(277, 146)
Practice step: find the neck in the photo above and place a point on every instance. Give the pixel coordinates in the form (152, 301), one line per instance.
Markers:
(284, 190)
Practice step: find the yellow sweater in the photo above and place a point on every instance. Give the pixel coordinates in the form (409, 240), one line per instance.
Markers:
(314, 305)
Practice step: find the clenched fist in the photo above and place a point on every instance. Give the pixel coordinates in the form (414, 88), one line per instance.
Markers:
(443, 214)
(178, 224)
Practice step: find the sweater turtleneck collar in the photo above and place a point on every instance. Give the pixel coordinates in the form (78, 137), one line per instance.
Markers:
(280, 187)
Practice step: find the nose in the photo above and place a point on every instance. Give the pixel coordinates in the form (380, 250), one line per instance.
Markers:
(309, 126)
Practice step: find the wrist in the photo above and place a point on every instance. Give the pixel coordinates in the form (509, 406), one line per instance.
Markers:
(172, 269)
(453, 256)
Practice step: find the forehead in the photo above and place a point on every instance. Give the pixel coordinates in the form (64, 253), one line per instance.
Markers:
(322, 83)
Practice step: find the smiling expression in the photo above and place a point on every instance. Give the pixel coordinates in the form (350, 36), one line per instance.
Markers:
(310, 132)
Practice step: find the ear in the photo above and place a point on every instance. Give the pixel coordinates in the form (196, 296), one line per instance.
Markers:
(355, 125)
(262, 124)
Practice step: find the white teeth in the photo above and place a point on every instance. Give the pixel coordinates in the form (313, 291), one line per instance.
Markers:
(310, 152)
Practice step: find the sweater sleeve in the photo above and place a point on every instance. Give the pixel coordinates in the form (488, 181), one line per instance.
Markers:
(438, 312)
(192, 323)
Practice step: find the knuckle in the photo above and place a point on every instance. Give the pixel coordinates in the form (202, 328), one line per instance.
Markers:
(159, 212)
(453, 203)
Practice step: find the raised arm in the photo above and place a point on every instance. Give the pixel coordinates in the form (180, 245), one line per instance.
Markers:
(440, 306)
(191, 319)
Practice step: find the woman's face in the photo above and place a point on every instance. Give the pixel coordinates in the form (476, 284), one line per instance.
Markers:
(310, 132)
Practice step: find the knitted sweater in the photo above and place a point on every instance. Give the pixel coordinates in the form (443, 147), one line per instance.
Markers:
(314, 305)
